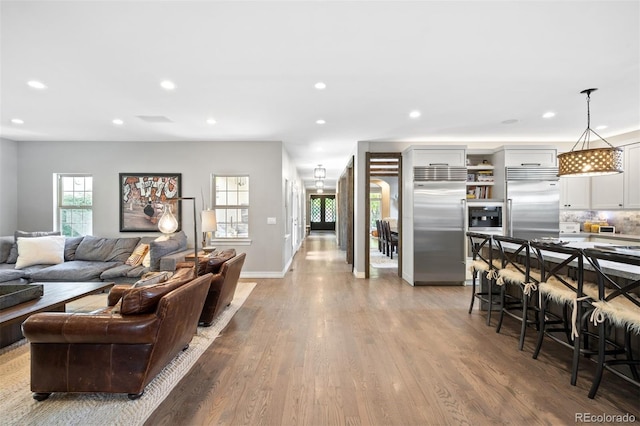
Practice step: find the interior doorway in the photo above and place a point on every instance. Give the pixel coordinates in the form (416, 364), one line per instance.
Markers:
(322, 213)
(383, 202)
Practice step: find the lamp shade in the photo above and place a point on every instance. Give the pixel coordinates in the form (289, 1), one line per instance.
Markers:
(319, 183)
(168, 224)
(591, 162)
(209, 222)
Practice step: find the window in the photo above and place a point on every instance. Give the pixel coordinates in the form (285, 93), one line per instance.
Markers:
(231, 195)
(75, 205)
(375, 207)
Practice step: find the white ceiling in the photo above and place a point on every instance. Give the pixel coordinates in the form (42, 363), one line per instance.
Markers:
(467, 66)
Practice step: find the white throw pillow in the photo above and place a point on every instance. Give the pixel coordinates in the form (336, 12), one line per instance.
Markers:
(40, 251)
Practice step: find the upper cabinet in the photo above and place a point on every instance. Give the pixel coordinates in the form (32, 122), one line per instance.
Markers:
(424, 156)
(606, 192)
(544, 157)
(632, 176)
(575, 193)
(612, 192)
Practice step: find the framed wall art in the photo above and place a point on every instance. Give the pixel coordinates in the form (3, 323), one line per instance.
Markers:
(143, 198)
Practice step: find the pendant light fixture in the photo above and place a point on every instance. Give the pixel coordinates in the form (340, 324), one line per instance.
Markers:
(319, 172)
(590, 161)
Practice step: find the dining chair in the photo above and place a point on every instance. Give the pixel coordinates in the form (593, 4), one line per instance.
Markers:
(392, 241)
(483, 266)
(565, 300)
(616, 306)
(516, 273)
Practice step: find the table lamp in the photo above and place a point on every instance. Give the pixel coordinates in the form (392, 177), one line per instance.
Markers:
(209, 224)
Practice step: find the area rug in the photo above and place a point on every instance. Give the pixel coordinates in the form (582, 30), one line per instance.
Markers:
(380, 260)
(17, 406)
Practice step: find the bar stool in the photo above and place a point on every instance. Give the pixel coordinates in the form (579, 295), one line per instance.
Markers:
(482, 264)
(558, 263)
(615, 306)
(516, 272)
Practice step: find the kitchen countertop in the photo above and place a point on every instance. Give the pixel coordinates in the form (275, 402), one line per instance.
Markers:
(630, 272)
(621, 237)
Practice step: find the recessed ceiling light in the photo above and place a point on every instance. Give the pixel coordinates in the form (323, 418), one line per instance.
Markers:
(601, 127)
(321, 121)
(549, 114)
(320, 85)
(415, 114)
(36, 84)
(167, 85)
(117, 122)
(17, 121)
(211, 121)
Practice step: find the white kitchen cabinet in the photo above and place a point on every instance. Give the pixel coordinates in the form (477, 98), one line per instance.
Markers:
(607, 192)
(439, 157)
(546, 157)
(575, 193)
(632, 176)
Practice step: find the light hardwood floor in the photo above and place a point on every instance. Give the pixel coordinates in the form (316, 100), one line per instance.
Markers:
(320, 347)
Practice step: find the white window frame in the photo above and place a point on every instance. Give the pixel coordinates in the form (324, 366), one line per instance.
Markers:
(60, 207)
(223, 211)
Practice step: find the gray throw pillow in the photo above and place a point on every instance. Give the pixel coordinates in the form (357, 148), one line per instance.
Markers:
(13, 254)
(70, 246)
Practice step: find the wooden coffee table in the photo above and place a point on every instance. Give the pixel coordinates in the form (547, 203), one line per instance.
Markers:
(56, 296)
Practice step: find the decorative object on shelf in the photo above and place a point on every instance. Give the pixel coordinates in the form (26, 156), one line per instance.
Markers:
(590, 161)
(142, 199)
(209, 225)
(319, 172)
(168, 224)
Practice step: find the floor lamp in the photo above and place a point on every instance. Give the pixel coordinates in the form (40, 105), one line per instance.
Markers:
(168, 224)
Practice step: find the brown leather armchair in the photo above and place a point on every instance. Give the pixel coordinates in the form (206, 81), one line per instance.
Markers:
(223, 287)
(115, 352)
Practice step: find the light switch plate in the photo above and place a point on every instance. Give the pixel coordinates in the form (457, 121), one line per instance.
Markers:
(271, 221)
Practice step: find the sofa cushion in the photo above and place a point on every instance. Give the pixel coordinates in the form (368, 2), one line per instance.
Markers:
(123, 271)
(6, 243)
(163, 246)
(141, 300)
(70, 246)
(10, 274)
(13, 254)
(40, 251)
(106, 249)
(74, 270)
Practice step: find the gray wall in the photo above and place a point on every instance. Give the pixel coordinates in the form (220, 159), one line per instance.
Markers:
(8, 180)
(262, 161)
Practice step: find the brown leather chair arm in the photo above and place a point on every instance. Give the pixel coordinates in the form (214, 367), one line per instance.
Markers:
(116, 293)
(58, 327)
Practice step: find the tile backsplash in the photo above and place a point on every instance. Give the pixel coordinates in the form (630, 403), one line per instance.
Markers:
(626, 222)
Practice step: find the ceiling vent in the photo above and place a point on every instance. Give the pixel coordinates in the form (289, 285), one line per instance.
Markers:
(154, 118)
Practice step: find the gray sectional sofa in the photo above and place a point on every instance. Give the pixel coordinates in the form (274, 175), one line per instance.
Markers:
(92, 258)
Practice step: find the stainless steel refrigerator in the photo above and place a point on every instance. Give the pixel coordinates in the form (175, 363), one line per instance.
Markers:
(533, 202)
(439, 197)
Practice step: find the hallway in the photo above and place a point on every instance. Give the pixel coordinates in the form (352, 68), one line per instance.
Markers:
(320, 347)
